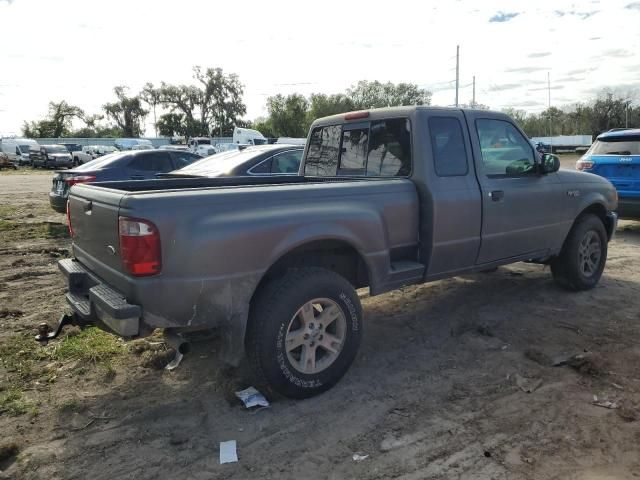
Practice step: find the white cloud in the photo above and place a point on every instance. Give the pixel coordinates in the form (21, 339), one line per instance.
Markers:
(78, 50)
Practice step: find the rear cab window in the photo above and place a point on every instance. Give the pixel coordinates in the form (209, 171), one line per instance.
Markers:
(379, 148)
(616, 145)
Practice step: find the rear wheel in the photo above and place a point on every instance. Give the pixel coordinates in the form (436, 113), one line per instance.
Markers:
(584, 255)
(304, 332)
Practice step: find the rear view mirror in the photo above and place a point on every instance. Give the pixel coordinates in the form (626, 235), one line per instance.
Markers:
(550, 163)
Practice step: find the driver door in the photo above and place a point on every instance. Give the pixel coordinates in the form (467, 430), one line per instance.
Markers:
(520, 207)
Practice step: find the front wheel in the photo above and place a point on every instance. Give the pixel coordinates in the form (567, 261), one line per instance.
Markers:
(304, 332)
(583, 256)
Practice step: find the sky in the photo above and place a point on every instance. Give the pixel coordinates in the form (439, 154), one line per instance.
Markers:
(78, 50)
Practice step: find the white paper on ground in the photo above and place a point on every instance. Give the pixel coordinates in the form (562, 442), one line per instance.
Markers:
(228, 452)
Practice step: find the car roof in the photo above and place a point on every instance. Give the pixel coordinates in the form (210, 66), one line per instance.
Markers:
(617, 133)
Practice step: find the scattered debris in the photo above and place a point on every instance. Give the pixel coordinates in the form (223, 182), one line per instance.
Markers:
(178, 438)
(538, 357)
(585, 363)
(487, 453)
(228, 452)
(569, 326)
(173, 364)
(252, 398)
(604, 403)
(615, 385)
(527, 385)
(358, 457)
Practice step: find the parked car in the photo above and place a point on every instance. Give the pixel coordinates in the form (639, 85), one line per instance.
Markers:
(85, 154)
(5, 162)
(205, 150)
(178, 148)
(72, 147)
(127, 165)
(129, 143)
(50, 156)
(106, 150)
(388, 198)
(260, 160)
(17, 149)
(615, 155)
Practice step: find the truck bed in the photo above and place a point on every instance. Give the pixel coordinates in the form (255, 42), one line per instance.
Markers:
(177, 183)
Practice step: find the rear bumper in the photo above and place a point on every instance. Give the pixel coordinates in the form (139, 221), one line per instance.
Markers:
(58, 202)
(629, 207)
(97, 303)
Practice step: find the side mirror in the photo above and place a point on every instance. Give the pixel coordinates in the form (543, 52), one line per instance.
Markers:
(550, 163)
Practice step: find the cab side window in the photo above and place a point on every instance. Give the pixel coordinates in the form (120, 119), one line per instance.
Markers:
(505, 151)
(447, 146)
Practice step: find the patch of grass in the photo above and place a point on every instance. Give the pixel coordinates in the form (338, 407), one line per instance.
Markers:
(13, 230)
(13, 402)
(8, 210)
(19, 356)
(89, 345)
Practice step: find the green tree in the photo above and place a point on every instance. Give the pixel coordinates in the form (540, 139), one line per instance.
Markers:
(126, 112)
(171, 124)
(321, 105)
(288, 115)
(151, 96)
(213, 106)
(374, 94)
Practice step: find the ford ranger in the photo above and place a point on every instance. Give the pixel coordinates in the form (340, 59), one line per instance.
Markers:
(384, 198)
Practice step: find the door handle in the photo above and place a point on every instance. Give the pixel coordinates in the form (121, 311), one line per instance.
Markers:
(496, 195)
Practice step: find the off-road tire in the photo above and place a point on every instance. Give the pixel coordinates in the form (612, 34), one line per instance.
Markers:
(566, 267)
(271, 314)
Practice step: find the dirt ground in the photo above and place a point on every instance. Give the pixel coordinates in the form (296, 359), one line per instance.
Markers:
(438, 391)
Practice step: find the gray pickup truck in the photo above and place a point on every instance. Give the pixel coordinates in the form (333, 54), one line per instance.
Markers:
(385, 198)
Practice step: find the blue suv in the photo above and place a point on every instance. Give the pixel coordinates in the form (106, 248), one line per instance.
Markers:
(615, 155)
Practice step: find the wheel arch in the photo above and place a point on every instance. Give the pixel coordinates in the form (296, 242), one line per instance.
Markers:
(335, 254)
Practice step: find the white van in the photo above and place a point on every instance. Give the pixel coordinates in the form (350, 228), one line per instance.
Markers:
(248, 136)
(17, 149)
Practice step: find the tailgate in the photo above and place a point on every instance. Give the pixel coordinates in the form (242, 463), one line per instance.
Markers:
(622, 171)
(94, 219)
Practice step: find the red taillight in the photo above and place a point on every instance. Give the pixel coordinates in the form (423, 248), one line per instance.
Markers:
(69, 220)
(356, 115)
(584, 165)
(139, 247)
(79, 179)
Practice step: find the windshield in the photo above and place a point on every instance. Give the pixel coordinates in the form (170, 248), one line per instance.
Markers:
(204, 141)
(101, 162)
(626, 145)
(259, 141)
(56, 149)
(24, 148)
(220, 163)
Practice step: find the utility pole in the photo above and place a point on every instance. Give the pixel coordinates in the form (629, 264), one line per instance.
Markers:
(473, 102)
(457, 72)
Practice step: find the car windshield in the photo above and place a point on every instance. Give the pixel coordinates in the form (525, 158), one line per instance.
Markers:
(220, 163)
(24, 148)
(101, 162)
(623, 145)
(56, 149)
